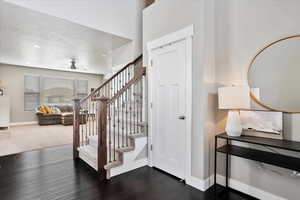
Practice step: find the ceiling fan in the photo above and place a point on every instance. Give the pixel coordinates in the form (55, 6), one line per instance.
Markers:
(73, 64)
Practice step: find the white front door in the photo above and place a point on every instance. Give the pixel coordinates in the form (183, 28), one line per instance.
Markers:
(169, 108)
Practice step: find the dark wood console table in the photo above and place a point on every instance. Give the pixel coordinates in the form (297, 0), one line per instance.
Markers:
(271, 158)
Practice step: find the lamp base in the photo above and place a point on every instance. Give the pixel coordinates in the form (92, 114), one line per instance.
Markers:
(234, 125)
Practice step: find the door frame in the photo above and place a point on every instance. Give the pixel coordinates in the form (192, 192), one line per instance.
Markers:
(185, 34)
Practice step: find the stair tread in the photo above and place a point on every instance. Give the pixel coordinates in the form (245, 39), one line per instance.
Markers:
(137, 135)
(125, 149)
(113, 164)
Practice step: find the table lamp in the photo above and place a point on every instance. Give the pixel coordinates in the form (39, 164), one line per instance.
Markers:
(234, 99)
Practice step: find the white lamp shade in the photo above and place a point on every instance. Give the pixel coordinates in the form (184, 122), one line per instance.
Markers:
(234, 98)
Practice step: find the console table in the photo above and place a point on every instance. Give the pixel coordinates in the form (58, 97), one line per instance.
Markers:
(271, 158)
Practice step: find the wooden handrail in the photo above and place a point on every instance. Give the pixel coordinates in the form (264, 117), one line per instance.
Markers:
(111, 78)
(137, 77)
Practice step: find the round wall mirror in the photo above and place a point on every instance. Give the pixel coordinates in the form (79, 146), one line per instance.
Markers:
(274, 75)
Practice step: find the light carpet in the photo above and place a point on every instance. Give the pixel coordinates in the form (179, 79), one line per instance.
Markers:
(26, 138)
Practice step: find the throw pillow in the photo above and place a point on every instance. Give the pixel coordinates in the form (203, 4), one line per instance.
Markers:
(48, 110)
(42, 109)
(56, 110)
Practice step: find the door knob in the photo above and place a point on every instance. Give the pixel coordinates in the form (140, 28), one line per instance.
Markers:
(181, 117)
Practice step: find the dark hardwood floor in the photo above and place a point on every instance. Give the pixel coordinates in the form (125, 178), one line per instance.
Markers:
(52, 174)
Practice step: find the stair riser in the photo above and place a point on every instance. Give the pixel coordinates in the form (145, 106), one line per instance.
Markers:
(91, 156)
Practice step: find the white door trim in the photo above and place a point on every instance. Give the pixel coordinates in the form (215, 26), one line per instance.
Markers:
(187, 35)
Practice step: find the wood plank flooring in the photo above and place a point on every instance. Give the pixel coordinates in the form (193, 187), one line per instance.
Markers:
(51, 174)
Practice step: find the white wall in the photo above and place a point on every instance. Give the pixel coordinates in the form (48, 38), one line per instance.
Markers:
(242, 28)
(121, 18)
(129, 52)
(112, 16)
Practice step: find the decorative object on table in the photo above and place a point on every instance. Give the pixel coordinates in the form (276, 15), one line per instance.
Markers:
(234, 99)
(262, 123)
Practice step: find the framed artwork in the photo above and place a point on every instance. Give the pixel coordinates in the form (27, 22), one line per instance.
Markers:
(267, 124)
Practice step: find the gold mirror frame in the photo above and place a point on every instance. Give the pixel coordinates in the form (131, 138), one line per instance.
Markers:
(248, 75)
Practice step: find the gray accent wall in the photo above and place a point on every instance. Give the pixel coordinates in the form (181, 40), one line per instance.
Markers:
(227, 35)
(168, 16)
(13, 80)
(242, 29)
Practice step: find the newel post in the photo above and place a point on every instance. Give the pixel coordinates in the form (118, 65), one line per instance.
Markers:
(102, 137)
(76, 126)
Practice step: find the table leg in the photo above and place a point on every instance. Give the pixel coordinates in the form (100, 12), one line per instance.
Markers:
(215, 169)
(227, 166)
(215, 172)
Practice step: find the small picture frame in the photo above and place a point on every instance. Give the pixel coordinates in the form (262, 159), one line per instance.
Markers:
(259, 123)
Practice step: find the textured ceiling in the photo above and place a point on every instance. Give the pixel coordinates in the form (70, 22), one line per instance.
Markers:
(34, 39)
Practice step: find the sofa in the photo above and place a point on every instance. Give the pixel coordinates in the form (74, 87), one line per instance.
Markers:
(47, 118)
(66, 115)
(58, 114)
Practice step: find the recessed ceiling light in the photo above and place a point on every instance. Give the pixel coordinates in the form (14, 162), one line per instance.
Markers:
(36, 46)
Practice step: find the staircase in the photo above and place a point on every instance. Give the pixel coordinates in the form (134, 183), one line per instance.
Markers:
(109, 132)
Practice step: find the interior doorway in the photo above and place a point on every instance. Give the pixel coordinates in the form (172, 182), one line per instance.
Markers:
(170, 62)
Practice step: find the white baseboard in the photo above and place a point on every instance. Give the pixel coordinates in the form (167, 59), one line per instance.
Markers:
(203, 185)
(23, 123)
(200, 184)
(248, 189)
